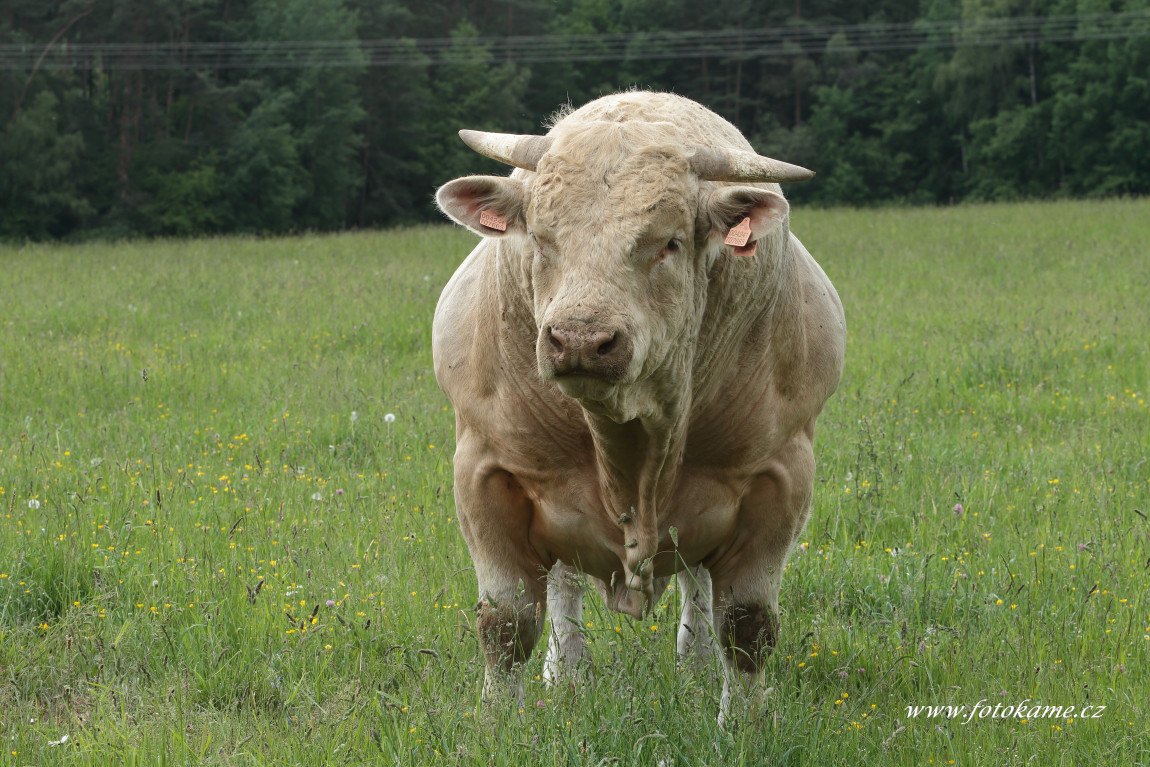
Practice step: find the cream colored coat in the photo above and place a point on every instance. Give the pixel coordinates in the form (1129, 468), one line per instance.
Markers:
(694, 454)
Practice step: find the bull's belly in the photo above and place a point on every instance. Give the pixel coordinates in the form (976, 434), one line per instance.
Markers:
(572, 524)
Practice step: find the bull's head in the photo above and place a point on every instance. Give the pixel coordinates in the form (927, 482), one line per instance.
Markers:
(612, 237)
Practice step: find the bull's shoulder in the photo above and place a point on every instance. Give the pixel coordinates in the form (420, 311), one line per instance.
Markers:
(458, 333)
(752, 401)
(823, 324)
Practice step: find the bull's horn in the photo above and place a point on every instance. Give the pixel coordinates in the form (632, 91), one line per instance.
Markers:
(513, 149)
(733, 165)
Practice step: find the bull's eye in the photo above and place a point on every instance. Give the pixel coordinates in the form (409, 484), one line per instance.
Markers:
(670, 249)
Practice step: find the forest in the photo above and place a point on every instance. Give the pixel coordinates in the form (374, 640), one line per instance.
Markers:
(125, 118)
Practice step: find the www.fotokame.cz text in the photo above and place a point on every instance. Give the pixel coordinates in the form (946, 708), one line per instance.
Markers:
(1022, 711)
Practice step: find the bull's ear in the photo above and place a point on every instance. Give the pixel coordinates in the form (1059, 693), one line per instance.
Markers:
(736, 208)
(490, 206)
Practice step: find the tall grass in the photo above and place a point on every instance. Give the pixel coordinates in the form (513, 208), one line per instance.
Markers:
(215, 547)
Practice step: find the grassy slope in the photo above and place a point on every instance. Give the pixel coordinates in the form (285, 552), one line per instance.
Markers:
(998, 358)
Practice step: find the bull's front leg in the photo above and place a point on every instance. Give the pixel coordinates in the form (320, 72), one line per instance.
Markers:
(747, 630)
(494, 515)
(748, 575)
(508, 632)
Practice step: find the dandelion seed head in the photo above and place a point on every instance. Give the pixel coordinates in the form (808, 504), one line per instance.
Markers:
(389, 418)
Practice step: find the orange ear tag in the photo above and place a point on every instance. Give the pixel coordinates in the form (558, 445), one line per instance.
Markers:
(495, 221)
(739, 235)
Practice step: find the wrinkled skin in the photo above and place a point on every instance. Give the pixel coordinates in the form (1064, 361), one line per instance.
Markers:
(622, 379)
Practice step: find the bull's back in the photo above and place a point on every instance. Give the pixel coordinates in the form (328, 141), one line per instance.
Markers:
(696, 123)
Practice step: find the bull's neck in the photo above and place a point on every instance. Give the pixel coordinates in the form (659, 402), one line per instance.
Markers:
(511, 291)
(638, 460)
(638, 465)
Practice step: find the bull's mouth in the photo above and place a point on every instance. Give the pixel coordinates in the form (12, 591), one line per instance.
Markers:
(585, 388)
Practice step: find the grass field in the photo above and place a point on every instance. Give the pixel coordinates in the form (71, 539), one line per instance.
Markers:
(217, 547)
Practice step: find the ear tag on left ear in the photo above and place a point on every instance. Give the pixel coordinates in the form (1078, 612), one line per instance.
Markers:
(739, 234)
(495, 221)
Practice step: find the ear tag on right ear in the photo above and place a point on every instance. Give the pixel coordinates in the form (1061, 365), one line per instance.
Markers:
(493, 220)
(739, 234)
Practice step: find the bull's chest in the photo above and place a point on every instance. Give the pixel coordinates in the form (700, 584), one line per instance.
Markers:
(572, 521)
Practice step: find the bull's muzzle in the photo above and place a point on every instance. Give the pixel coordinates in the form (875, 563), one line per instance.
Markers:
(586, 350)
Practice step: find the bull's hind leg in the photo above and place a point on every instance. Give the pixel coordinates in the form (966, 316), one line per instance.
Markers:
(494, 515)
(566, 647)
(748, 574)
(696, 640)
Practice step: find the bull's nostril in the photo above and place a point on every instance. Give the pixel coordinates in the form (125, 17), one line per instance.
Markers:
(556, 341)
(602, 343)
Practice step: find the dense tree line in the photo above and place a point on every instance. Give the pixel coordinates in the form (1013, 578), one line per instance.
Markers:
(330, 140)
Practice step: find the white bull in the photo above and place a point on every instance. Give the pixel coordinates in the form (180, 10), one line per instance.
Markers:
(637, 352)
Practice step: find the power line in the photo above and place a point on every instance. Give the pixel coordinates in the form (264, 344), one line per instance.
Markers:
(783, 42)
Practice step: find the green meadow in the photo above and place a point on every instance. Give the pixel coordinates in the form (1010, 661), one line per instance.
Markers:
(227, 531)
